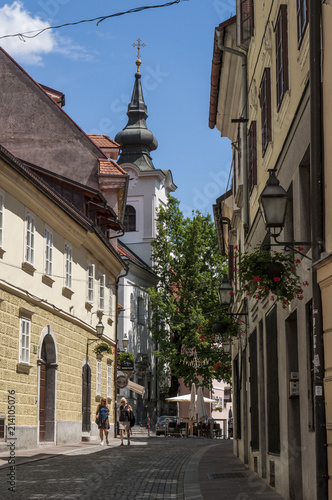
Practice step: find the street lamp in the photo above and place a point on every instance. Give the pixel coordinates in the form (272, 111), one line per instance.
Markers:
(273, 202)
(227, 346)
(125, 341)
(225, 292)
(99, 331)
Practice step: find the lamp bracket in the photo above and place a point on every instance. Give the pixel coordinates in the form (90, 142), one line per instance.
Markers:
(288, 244)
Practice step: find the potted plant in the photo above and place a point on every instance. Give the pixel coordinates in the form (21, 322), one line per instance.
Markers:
(262, 273)
(103, 348)
(126, 360)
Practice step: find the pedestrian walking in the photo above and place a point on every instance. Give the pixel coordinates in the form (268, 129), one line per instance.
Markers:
(124, 419)
(102, 413)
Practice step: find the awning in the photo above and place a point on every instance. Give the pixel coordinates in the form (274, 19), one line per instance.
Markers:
(139, 389)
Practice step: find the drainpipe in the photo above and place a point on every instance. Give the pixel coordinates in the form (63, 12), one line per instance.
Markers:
(243, 121)
(317, 238)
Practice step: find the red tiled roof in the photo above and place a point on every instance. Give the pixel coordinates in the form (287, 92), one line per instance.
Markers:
(103, 141)
(110, 167)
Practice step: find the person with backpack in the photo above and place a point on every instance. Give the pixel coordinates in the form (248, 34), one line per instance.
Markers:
(124, 419)
(102, 421)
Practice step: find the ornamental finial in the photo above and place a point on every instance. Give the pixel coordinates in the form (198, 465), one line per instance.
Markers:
(139, 45)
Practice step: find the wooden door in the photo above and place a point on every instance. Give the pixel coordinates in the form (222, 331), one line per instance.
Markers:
(42, 402)
(86, 398)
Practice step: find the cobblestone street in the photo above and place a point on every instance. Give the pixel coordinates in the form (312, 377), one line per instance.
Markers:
(150, 469)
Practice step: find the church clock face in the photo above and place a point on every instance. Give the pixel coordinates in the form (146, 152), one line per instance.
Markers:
(133, 177)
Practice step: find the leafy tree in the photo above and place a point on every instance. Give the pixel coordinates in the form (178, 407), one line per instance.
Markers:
(185, 306)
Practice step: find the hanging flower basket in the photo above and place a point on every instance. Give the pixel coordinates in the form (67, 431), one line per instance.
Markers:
(262, 273)
(103, 348)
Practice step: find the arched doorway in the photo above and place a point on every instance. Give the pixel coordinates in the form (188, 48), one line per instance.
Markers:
(86, 397)
(47, 385)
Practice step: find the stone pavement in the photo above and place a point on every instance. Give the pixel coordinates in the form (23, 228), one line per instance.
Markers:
(154, 468)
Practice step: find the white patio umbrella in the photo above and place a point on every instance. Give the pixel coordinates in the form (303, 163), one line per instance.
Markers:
(200, 406)
(192, 406)
(186, 398)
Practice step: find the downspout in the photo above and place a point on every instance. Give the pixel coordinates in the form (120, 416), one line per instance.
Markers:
(317, 238)
(243, 120)
(116, 349)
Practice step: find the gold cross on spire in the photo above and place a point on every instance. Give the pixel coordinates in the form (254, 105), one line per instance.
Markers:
(139, 45)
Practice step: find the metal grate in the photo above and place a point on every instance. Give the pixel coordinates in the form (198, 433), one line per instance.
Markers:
(226, 475)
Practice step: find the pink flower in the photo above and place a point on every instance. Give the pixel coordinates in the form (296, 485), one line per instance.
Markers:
(257, 278)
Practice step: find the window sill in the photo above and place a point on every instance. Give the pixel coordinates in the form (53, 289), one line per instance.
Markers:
(66, 292)
(47, 280)
(97, 398)
(23, 368)
(28, 268)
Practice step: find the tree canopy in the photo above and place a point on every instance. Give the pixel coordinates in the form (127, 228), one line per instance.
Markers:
(186, 316)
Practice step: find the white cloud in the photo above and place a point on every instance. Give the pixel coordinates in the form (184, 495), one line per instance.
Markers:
(15, 19)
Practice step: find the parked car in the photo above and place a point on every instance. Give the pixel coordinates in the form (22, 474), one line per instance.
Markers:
(161, 423)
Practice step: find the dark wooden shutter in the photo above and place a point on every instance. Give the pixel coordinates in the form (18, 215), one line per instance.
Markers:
(272, 382)
(254, 391)
(266, 112)
(281, 54)
(86, 398)
(252, 144)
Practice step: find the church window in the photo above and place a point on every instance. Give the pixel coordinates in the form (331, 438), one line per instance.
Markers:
(130, 219)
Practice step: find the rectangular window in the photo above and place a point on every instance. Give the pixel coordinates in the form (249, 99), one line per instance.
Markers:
(48, 252)
(140, 310)
(252, 146)
(68, 266)
(29, 238)
(302, 19)
(90, 282)
(254, 391)
(272, 382)
(25, 327)
(1, 218)
(101, 305)
(2, 427)
(265, 103)
(246, 19)
(98, 378)
(281, 54)
(109, 381)
(110, 302)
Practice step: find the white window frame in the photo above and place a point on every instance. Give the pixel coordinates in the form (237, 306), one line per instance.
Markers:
(98, 378)
(68, 266)
(2, 201)
(110, 301)
(29, 238)
(48, 252)
(90, 283)
(25, 332)
(109, 381)
(101, 294)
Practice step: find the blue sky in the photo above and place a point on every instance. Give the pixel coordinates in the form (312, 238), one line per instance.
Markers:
(95, 66)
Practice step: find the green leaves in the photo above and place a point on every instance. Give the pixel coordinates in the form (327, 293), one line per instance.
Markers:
(189, 266)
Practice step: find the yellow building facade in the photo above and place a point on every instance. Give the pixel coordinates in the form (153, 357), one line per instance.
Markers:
(58, 279)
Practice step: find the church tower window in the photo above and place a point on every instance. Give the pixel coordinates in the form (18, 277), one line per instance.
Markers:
(130, 219)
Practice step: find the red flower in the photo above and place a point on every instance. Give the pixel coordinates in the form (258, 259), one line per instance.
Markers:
(257, 278)
(272, 298)
(230, 293)
(300, 248)
(276, 279)
(234, 268)
(297, 261)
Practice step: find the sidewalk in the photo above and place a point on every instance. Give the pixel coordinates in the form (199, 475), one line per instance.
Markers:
(212, 473)
(215, 473)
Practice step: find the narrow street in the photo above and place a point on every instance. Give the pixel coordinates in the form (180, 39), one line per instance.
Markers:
(150, 468)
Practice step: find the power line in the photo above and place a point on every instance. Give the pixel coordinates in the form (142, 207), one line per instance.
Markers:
(28, 34)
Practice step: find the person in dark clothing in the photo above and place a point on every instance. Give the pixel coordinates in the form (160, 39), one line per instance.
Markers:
(102, 413)
(124, 419)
